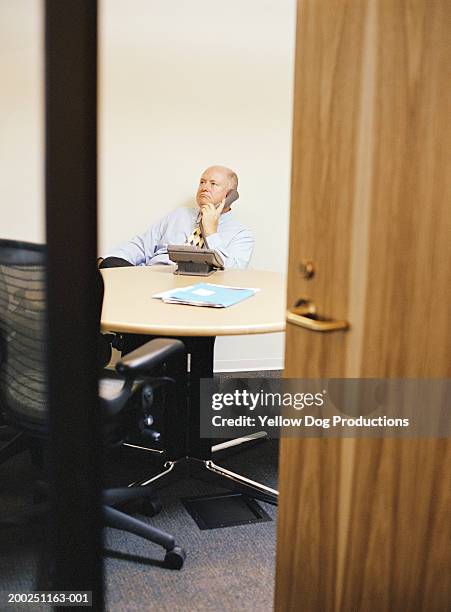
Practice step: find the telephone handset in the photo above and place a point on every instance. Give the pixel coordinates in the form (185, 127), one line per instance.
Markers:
(231, 196)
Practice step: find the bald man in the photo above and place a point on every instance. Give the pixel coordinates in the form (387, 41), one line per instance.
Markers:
(220, 231)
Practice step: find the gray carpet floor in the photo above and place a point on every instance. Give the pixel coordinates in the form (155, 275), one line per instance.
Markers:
(230, 569)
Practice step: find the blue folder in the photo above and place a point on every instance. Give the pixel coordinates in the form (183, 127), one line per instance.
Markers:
(207, 294)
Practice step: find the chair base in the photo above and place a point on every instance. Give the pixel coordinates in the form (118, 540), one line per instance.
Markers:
(175, 556)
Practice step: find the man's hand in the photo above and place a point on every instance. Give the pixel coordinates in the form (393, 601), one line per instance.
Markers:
(210, 218)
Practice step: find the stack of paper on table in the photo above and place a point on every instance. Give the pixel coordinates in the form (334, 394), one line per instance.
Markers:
(206, 294)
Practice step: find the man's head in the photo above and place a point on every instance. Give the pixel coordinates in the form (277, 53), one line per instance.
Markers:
(214, 185)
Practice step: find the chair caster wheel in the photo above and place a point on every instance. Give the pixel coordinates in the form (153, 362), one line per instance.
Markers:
(175, 558)
(151, 507)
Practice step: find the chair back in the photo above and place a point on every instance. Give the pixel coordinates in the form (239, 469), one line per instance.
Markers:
(23, 381)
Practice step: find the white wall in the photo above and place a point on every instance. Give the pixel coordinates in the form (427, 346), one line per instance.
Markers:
(21, 121)
(184, 85)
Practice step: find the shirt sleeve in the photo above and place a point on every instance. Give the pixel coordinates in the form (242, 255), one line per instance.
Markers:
(236, 254)
(141, 248)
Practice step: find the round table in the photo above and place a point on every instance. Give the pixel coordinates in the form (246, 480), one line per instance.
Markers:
(129, 307)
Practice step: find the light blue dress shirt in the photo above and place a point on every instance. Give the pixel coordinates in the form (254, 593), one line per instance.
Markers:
(233, 241)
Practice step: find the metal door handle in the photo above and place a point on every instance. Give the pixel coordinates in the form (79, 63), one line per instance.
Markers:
(304, 314)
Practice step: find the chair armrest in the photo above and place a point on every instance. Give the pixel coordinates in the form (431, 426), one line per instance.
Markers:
(148, 356)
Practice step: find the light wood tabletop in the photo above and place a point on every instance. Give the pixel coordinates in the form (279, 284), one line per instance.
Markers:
(128, 305)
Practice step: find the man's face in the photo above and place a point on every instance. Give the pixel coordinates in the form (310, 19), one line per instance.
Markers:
(213, 187)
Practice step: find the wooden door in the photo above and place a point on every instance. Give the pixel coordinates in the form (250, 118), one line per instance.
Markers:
(364, 523)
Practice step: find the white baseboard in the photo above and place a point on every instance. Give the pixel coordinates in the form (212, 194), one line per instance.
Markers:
(231, 365)
(248, 365)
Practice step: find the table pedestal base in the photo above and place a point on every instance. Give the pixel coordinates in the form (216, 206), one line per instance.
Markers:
(207, 470)
(192, 455)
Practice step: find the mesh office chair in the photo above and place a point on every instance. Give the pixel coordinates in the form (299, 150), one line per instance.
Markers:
(23, 385)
